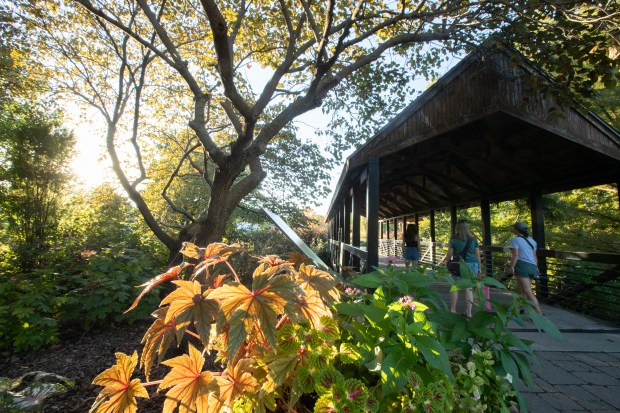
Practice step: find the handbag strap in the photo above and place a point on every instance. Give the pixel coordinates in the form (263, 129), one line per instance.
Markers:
(463, 253)
(528, 241)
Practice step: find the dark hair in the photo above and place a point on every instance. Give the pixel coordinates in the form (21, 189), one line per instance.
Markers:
(410, 233)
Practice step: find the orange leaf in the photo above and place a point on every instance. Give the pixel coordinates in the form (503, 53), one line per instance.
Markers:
(237, 381)
(188, 303)
(192, 251)
(266, 301)
(313, 308)
(157, 340)
(297, 258)
(191, 387)
(271, 260)
(171, 274)
(219, 252)
(311, 278)
(119, 393)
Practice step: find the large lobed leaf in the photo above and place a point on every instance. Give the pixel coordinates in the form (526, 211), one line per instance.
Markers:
(258, 308)
(120, 392)
(190, 387)
(311, 278)
(189, 303)
(157, 340)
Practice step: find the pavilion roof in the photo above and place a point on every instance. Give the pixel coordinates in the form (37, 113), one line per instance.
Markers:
(491, 128)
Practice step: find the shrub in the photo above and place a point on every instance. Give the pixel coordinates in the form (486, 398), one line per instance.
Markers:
(80, 291)
(299, 338)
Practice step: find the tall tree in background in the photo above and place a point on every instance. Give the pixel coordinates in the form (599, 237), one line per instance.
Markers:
(33, 171)
(240, 72)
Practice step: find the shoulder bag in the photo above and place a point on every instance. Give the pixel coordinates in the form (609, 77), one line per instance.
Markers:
(454, 265)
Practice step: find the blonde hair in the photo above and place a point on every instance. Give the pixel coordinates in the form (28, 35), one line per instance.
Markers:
(462, 230)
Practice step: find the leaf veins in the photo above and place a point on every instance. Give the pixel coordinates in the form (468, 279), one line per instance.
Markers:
(119, 393)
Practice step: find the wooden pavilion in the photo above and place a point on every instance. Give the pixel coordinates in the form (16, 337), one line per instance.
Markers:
(490, 130)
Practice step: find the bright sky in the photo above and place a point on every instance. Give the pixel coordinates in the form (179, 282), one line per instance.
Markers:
(90, 164)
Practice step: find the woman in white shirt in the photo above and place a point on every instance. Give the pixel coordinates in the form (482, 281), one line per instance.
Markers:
(523, 261)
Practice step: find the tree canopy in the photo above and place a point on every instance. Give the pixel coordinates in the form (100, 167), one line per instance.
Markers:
(224, 81)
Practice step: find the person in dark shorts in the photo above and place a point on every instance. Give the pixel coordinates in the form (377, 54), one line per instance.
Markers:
(523, 261)
(411, 245)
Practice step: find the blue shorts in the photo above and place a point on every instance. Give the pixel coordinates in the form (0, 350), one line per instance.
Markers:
(412, 254)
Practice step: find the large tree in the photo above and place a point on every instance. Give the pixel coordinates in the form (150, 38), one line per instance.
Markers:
(238, 73)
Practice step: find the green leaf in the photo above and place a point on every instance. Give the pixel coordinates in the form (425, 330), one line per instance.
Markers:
(394, 372)
(524, 367)
(543, 323)
(516, 342)
(434, 353)
(350, 309)
(371, 280)
(509, 365)
(240, 322)
(490, 281)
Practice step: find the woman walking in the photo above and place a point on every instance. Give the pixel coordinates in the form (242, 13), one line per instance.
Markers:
(411, 245)
(464, 244)
(523, 261)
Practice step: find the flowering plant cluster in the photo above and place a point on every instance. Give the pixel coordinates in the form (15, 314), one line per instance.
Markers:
(300, 339)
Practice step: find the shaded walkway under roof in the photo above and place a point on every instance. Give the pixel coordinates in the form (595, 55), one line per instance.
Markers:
(490, 130)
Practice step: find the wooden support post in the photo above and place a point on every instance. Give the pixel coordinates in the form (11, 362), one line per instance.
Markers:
(433, 237)
(453, 219)
(402, 236)
(538, 233)
(485, 212)
(372, 213)
(357, 213)
(347, 227)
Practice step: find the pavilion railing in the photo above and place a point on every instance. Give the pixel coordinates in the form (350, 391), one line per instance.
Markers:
(588, 283)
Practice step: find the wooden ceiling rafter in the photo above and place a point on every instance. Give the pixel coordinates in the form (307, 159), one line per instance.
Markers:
(411, 199)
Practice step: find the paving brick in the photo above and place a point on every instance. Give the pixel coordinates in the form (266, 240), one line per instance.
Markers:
(535, 404)
(613, 371)
(577, 393)
(608, 394)
(573, 365)
(599, 378)
(555, 355)
(589, 359)
(560, 402)
(610, 357)
(554, 375)
(595, 405)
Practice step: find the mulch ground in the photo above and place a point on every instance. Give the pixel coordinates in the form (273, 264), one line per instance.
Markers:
(82, 359)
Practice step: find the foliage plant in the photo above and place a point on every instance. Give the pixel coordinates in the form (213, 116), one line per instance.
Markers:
(74, 292)
(300, 339)
(28, 392)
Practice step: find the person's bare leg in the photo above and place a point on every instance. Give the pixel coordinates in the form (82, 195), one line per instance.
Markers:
(526, 290)
(454, 299)
(469, 299)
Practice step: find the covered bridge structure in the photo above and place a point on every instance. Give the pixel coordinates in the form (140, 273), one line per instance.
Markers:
(488, 131)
